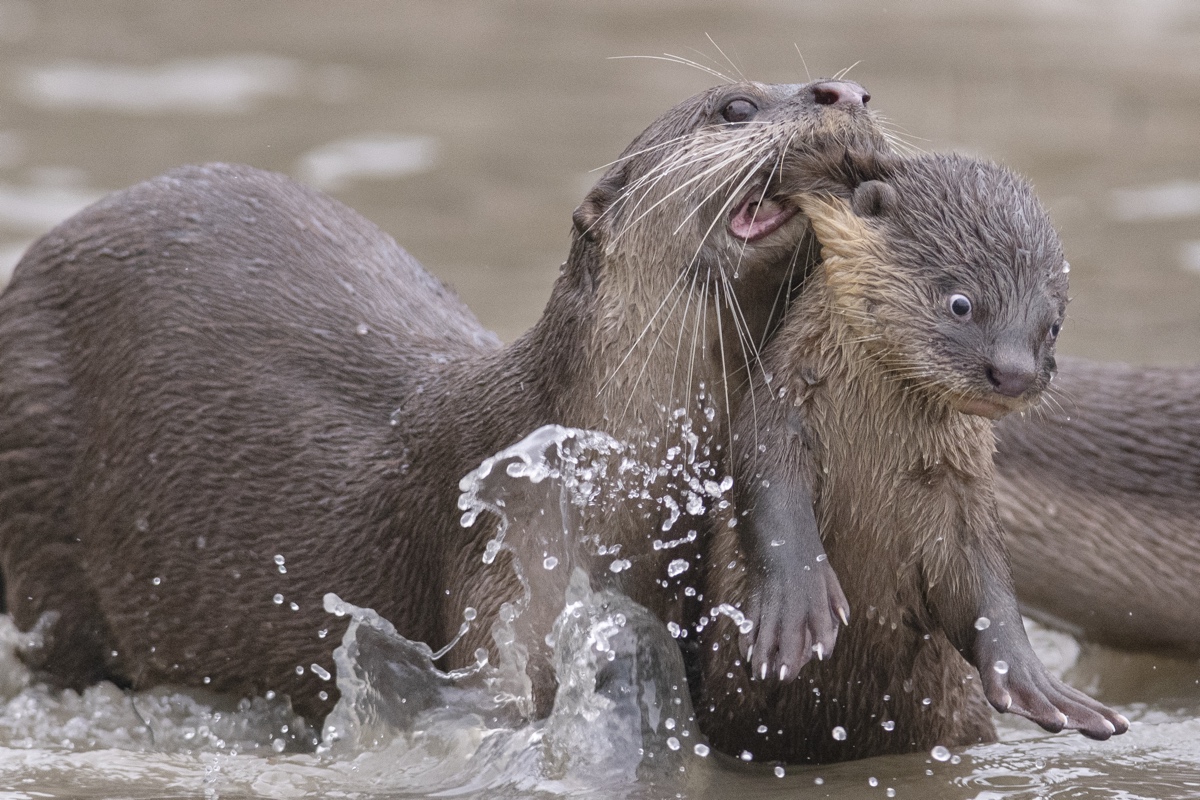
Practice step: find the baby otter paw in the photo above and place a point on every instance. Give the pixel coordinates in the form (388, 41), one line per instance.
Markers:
(1027, 689)
(795, 620)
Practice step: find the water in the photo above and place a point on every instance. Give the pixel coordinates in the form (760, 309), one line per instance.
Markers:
(470, 131)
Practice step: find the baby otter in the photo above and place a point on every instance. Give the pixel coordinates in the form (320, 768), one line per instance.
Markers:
(935, 309)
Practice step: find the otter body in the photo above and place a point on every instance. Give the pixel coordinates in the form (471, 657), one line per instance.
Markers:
(223, 395)
(865, 440)
(1099, 493)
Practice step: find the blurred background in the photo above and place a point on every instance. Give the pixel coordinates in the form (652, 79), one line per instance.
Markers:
(470, 130)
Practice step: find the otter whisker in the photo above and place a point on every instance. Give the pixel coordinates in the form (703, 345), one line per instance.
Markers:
(674, 59)
(728, 60)
(807, 74)
(642, 334)
(837, 76)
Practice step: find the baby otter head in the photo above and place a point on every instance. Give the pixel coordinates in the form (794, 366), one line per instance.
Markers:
(950, 273)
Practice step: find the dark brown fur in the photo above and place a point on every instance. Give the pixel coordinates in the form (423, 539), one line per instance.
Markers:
(197, 375)
(871, 375)
(1099, 492)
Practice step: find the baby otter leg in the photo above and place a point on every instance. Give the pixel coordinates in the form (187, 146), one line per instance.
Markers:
(981, 619)
(795, 600)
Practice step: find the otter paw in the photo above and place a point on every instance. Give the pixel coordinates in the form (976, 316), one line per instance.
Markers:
(795, 620)
(1028, 690)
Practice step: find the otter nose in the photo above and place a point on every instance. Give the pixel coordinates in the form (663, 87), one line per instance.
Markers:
(840, 93)
(1011, 379)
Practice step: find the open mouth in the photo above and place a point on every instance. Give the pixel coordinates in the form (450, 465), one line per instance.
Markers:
(757, 215)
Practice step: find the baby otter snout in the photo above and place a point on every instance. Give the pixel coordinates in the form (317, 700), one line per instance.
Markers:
(1011, 377)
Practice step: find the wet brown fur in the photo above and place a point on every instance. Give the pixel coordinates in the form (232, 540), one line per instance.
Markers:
(1099, 492)
(219, 366)
(903, 488)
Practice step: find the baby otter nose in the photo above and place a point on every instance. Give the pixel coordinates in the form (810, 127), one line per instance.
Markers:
(840, 93)
(1009, 379)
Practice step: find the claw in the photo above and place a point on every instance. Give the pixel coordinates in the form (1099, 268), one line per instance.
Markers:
(764, 672)
(844, 616)
(819, 649)
(783, 672)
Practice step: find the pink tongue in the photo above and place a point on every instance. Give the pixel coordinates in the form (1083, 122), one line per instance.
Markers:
(754, 219)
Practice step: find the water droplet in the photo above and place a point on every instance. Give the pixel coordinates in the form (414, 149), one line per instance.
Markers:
(299, 669)
(982, 624)
(762, 728)
(677, 567)
(277, 599)
(293, 606)
(891, 792)
(620, 565)
(674, 629)
(872, 781)
(362, 329)
(940, 753)
(1066, 267)
(779, 771)
(1001, 667)
(320, 672)
(746, 756)
(394, 420)
(819, 781)
(278, 745)
(279, 560)
(324, 695)
(321, 634)
(672, 743)
(142, 524)
(889, 725)
(839, 733)
(701, 750)
(270, 695)
(550, 562)
(926, 701)
(469, 614)
(156, 581)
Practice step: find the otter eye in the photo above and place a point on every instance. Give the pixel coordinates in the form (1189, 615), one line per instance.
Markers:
(1054, 329)
(960, 306)
(739, 110)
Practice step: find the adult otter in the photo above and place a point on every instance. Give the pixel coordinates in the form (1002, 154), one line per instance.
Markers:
(899, 348)
(1099, 492)
(224, 394)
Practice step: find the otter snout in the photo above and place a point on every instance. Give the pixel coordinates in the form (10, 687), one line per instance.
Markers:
(840, 93)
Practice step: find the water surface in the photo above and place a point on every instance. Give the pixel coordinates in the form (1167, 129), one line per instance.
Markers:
(470, 130)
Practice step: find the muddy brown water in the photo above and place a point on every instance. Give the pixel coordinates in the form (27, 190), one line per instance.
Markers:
(470, 130)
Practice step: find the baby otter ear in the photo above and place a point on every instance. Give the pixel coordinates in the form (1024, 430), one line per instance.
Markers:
(589, 216)
(874, 199)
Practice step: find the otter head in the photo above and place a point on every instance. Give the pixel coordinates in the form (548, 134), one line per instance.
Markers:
(689, 240)
(949, 271)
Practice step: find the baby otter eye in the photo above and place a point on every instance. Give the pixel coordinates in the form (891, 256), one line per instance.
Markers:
(960, 306)
(1054, 329)
(739, 110)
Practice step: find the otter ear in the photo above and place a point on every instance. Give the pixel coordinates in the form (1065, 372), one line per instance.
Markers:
(874, 199)
(599, 200)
